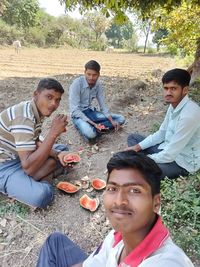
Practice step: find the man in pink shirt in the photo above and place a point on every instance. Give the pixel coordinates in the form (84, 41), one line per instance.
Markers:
(139, 239)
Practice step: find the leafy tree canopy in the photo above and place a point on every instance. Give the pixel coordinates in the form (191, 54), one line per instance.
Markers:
(117, 33)
(159, 35)
(119, 7)
(22, 13)
(3, 4)
(97, 22)
(182, 25)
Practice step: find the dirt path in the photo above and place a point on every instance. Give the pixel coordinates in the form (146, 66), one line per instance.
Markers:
(131, 89)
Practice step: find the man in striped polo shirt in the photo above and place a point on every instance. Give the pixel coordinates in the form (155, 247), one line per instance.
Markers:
(28, 165)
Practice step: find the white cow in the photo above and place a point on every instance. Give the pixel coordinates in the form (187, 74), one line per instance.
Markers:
(110, 49)
(17, 46)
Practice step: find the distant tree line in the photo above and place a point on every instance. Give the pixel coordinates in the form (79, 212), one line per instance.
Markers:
(26, 21)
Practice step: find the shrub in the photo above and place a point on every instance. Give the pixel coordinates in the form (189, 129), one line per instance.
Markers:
(8, 207)
(36, 36)
(172, 49)
(151, 50)
(181, 212)
(8, 33)
(97, 46)
(131, 44)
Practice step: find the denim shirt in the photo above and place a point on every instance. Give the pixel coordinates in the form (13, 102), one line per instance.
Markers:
(81, 97)
(178, 136)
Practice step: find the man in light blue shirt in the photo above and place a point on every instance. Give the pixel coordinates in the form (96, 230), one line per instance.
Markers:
(86, 118)
(176, 145)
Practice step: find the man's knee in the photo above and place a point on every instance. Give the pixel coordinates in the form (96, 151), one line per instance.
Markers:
(56, 237)
(90, 134)
(85, 129)
(61, 147)
(134, 139)
(121, 119)
(43, 196)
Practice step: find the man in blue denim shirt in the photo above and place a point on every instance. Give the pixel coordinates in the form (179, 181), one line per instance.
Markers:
(175, 147)
(82, 92)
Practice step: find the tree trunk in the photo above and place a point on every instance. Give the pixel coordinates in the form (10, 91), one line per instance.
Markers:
(96, 36)
(194, 69)
(147, 36)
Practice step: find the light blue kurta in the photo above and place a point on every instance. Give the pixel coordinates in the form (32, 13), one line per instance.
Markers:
(178, 136)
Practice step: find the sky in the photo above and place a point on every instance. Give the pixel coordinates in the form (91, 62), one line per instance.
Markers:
(54, 8)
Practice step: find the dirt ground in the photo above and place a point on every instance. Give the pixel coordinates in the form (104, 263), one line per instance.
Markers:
(132, 87)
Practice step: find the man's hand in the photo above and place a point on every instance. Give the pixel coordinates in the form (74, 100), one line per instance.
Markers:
(61, 156)
(135, 148)
(58, 125)
(116, 125)
(38, 144)
(98, 126)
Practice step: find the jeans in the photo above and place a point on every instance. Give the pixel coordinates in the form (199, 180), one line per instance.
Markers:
(88, 130)
(171, 170)
(59, 251)
(15, 183)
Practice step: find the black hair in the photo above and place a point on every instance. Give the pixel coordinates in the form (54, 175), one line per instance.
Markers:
(180, 76)
(137, 161)
(50, 83)
(93, 65)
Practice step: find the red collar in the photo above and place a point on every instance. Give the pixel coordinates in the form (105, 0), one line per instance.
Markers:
(155, 238)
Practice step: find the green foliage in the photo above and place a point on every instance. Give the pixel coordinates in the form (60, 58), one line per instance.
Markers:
(159, 35)
(182, 25)
(97, 22)
(98, 46)
(16, 207)
(3, 5)
(131, 44)
(155, 127)
(44, 20)
(120, 7)
(172, 49)
(151, 50)
(117, 33)
(22, 13)
(185, 61)
(195, 93)
(8, 33)
(53, 35)
(180, 210)
(36, 36)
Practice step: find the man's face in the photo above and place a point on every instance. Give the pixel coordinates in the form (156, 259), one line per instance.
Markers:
(47, 101)
(91, 77)
(129, 203)
(174, 93)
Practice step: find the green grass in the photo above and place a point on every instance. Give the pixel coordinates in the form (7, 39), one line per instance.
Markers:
(155, 127)
(10, 207)
(180, 211)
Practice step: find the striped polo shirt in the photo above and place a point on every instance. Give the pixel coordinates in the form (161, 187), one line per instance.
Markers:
(20, 127)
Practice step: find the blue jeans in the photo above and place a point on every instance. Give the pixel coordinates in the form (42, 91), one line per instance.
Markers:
(171, 170)
(59, 251)
(15, 183)
(89, 131)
